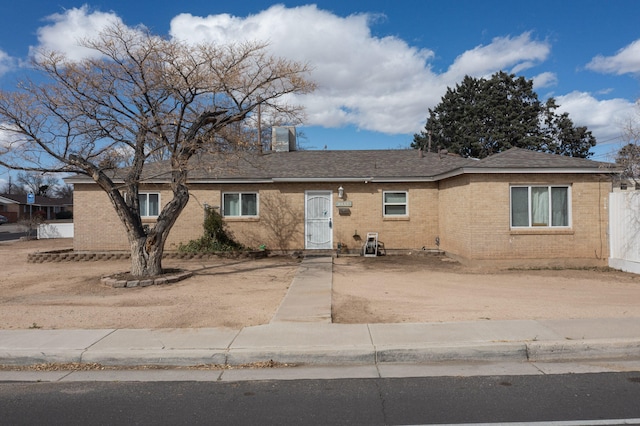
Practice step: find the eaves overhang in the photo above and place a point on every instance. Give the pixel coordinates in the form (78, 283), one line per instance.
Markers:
(358, 179)
(539, 170)
(351, 179)
(365, 179)
(229, 181)
(373, 179)
(4, 200)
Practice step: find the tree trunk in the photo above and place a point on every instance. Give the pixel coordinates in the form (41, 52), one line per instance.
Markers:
(147, 248)
(146, 257)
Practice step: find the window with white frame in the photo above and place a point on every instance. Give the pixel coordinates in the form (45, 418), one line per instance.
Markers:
(540, 206)
(240, 204)
(149, 204)
(394, 203)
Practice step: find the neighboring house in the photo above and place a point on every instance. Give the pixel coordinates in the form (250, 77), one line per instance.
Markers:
(519, 207)
(16, 207)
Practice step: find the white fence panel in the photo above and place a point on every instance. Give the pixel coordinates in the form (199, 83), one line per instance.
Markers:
(624, 231)
(55, 230)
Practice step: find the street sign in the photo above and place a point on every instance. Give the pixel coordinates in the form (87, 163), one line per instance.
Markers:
(31, 198)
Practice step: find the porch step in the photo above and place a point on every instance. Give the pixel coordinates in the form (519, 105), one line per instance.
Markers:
(318, 253)
(309, 296)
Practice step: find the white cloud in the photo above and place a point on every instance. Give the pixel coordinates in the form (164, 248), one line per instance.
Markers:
(603, 117)
(546, 79)
(625, 61)
(374, 83)
(514, 53)
(7, 63)
(8, 136)
(381, 84)
(67, 30)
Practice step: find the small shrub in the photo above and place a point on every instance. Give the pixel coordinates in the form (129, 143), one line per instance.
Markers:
(30, 224)
(216, 237)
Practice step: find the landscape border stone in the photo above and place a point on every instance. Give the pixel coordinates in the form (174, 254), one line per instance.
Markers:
(69, 255)
(114, 282)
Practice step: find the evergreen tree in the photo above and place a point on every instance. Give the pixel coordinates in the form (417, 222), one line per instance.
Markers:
(481, 117)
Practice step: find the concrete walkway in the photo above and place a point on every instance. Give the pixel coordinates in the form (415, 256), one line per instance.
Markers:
(301, 333)
(309, 296)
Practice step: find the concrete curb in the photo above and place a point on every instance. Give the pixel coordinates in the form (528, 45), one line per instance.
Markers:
(165, 357)
(551, 351)
(459, 352)
(30, 356)
(305, 356)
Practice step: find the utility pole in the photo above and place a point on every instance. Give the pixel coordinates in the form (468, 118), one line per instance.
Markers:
(429, 143)
(259, 126)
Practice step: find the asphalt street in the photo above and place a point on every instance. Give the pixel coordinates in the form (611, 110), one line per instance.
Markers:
(595, 399)
(10, 231)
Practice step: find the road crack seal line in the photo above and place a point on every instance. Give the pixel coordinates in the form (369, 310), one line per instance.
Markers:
(383, 402)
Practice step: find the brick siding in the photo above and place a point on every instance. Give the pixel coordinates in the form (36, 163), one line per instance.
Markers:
(468, 214)
(475, 217)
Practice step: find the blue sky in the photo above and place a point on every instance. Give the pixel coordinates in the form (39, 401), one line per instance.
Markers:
(380, 65)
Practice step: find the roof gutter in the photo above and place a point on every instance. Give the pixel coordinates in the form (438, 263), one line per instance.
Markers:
(4, 200)
(355, 179)
(378, 179)
(164, 181)
(522, 170)
(493, 170)
(228, 181)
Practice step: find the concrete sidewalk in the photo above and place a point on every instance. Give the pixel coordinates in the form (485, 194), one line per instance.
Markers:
(332, 344)
(301, 333)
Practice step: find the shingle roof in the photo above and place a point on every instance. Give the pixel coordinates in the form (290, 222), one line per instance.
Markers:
(320, 165)
(39, 200)
(527, 159)
(395, 165)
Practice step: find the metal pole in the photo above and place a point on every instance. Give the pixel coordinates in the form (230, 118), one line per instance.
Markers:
(259, 126)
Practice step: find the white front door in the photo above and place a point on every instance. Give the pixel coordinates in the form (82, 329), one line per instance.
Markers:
(318, 221)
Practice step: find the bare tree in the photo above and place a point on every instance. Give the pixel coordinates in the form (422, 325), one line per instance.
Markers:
(628, 157)
(10, 187)
(36, 183)
(63, 191)
(143, 98)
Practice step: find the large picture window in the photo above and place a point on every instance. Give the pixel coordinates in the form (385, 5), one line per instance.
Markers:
(149, 204)
(239, 204)
(540, 206)
(395, 203)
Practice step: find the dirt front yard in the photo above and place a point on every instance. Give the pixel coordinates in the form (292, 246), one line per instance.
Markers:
(222, 293)
(243, 292)
(433, 288)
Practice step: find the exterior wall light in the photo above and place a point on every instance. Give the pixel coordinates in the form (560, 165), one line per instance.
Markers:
(341, 193)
